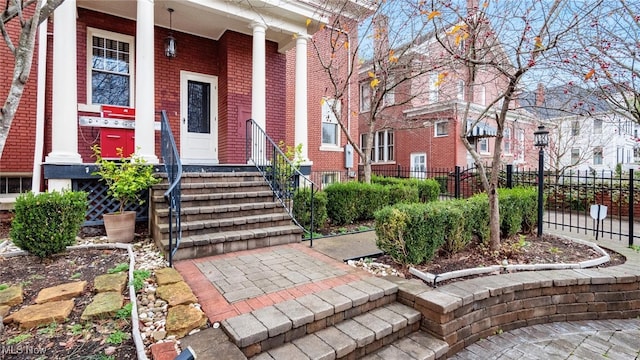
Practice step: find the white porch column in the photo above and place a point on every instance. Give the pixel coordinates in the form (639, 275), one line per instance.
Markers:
(301, 96)
(259, 88)
(64, 140)
(145, 82)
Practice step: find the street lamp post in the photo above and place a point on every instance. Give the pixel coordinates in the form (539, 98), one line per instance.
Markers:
(541, 140)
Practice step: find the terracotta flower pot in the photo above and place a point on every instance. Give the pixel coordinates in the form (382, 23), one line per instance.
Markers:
(120, 227)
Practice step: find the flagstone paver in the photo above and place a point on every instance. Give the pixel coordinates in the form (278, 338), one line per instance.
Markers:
(61, 292)
(110, 282)
(41, 314)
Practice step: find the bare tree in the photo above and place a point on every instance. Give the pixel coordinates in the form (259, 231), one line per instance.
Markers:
(384, 41)
(26, 16)
(498, 43)
(609, 55)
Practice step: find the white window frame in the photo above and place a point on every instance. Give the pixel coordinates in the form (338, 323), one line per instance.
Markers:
(483, 145)
(433, 88)
(381, 153)
(598, 155)
(91, 32)
(575, 128)
(435, 128)
(507, 141)
(597, 126)
(365, 97)
(482, 95)
(575, 156)
(328, 117)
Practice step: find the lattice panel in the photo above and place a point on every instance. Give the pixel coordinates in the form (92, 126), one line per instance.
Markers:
(100, 203)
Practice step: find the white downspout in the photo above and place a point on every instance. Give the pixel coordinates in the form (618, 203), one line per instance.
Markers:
(40, 102)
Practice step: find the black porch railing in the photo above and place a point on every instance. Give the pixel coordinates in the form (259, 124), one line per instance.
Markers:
(173, 167)
(280, 172)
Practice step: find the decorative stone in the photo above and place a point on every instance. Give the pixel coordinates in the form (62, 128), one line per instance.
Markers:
(61, 292)
(11, 296)
(104, 304)
(4, 310)
(182, 319)
(176, 294)
(159, 335)
(42, 314)
(110, 282)
(167, 276)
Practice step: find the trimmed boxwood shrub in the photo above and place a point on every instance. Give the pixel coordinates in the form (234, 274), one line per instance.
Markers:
(518, 210)
(400, 193)
(353, 201)
(302, 208)
(46, 223)
(428, 189)
(410, 233)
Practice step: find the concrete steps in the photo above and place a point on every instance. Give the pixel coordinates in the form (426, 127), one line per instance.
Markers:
(222, 212)
(350, 321)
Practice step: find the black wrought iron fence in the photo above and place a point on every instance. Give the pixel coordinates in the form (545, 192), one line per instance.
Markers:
(173, 167)
(281, 173)
(570, 196)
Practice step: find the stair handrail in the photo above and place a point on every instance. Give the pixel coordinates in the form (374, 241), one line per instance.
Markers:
(280, 172)
(173, 167)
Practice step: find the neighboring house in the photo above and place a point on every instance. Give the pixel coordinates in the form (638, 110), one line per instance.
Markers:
(420, 127)
(230, 65)
(585, 133)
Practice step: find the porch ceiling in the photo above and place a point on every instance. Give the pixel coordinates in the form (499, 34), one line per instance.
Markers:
(211, 18)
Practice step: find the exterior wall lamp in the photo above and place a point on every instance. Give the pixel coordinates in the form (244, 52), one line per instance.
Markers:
(170, 47)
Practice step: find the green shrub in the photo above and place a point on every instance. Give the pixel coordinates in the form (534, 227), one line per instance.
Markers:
(410, 233)
(457, 230)
(476, 214)
(443, 182)
(47, 223)
(302, 208)
(518, 210)
(400, 193)
(352, 201)
(428, 190)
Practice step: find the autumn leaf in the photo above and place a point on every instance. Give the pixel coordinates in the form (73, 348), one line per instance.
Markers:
(485, 4)
(374, 83)
(441, 78)
(321, 101)
(371, 74)
(346, 45)
(308, 22)
(433, 14)
(589, 74)
(295, 36)
(539, 42)
(392, 57)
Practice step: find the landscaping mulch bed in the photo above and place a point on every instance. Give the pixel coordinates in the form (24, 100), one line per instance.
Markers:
(74, 338)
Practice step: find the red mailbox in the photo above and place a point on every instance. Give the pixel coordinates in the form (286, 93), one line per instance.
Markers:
(120, 131)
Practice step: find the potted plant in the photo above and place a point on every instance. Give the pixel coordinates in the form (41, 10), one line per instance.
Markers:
(125, 180)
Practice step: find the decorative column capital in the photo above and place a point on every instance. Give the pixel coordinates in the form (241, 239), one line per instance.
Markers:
(258, 26)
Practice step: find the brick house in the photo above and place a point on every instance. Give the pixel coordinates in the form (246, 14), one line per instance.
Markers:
(232, 63)
(417, 133)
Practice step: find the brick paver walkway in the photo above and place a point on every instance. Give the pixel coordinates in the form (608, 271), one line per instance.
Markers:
(602, 339)
(237, 283)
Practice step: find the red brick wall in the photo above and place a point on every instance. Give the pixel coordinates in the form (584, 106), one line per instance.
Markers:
(17, 155)
(319, 86)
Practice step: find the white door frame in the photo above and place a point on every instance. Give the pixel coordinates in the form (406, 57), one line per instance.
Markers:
(414, 173)
(198, 148)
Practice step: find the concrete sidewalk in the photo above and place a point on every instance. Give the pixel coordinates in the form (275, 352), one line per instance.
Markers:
(348, 246)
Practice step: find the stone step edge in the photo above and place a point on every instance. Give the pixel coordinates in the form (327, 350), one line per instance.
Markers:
(295, 318)
(216, 174)
(234, 235)
(362, 333)
(214, 209)
(217, 196)
(214, 184)
(416, 343)
(227, 222)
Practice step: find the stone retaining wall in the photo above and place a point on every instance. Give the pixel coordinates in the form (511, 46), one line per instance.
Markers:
(463, 312)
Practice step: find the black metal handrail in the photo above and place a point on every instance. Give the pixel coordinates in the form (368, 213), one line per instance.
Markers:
(282, 174)
(173, 167)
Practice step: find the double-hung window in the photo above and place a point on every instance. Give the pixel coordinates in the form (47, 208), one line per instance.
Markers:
(382, 146)
(330, 130)
(442, 128)
(110, 68)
